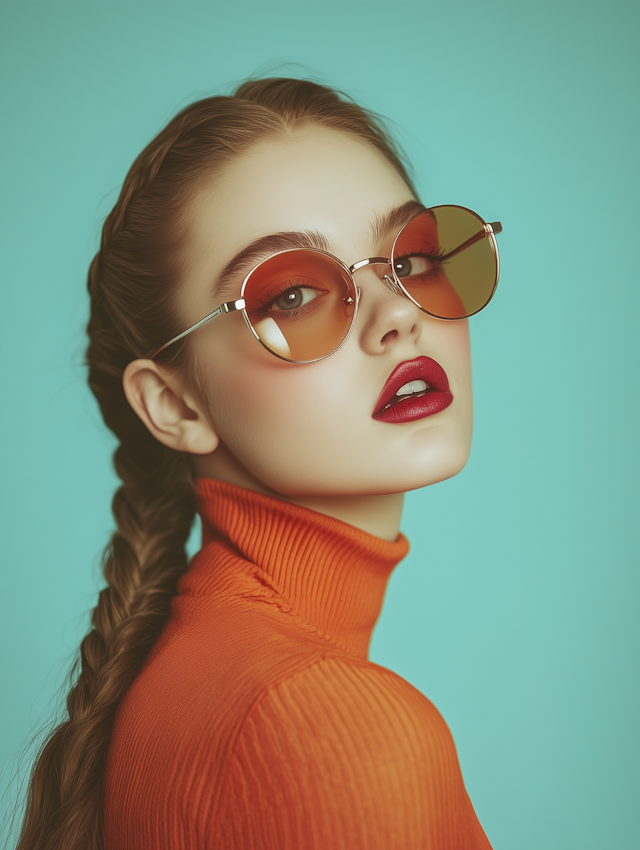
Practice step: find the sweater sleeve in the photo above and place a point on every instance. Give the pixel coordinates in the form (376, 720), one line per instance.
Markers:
(344, 755)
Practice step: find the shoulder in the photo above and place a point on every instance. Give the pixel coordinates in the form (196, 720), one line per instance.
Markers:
(343, 699)
(346, 749)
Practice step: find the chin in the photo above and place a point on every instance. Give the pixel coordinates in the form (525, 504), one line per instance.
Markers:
(434, 464)
(386, 480)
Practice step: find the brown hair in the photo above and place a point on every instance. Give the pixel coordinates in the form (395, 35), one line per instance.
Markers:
(132, 285)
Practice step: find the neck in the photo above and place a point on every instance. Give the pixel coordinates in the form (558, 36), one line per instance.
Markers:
(379, 515)
(329, 575)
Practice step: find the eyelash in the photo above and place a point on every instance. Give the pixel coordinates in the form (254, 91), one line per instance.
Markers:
(419, 252)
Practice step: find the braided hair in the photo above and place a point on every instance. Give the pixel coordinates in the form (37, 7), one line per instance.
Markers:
(132, 285)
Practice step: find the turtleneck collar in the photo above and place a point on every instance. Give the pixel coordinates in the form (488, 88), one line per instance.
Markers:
(331, 574)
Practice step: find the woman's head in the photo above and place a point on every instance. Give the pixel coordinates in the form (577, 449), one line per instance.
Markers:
(301, 430)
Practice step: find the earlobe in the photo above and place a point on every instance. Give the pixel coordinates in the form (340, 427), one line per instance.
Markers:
(170, 413)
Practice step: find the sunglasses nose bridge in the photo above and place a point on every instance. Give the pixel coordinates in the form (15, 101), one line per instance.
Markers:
(380, 261)
(370, 261)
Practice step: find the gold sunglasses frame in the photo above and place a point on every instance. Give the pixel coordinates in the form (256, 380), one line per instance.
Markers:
(489, 230)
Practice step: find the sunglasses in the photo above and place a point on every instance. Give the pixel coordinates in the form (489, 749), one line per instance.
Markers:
(301, 304)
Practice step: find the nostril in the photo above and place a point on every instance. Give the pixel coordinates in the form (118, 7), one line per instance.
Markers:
(388, 337)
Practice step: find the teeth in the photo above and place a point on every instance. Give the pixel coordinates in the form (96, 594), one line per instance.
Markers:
(408, 389)
(412, 387)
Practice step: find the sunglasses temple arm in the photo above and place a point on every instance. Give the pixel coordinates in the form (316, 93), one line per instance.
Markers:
(495, 226)
(227, 307)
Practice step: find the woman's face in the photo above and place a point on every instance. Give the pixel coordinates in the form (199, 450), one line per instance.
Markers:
(309, 429)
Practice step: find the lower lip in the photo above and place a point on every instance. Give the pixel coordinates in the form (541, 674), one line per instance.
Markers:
(415, 408)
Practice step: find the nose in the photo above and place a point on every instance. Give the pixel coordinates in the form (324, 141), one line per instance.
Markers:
(386, 317)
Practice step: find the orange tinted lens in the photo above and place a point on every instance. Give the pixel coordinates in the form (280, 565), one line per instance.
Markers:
(446, 261)
(300, 304)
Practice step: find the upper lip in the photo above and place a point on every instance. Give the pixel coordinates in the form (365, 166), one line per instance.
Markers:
(420, 369)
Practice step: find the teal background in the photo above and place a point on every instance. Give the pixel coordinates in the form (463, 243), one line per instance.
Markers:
(516, 611)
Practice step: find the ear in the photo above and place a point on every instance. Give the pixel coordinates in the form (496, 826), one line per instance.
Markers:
(169, 411)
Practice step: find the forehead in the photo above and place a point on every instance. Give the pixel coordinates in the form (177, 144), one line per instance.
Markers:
(315, 179)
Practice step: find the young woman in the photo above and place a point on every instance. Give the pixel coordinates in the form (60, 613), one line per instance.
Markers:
(278, 338)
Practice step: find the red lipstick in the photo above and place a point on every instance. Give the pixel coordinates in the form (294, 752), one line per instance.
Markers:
(424, 390)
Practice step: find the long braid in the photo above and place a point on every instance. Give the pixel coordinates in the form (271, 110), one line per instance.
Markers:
(154, 510)
(132, 285)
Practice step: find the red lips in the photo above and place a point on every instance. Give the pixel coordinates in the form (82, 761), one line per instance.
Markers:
(436, 397)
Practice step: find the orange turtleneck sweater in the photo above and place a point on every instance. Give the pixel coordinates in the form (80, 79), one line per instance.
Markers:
(258, 722)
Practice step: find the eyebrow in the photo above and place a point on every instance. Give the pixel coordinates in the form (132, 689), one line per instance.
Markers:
(395, 218)
(260, 249)
(239, 265)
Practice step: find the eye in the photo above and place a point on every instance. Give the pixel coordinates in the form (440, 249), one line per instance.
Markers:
(416, 264)
(287, 300)
(293, 298)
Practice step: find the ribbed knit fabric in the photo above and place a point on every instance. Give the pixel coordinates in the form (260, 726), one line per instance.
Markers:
(258, 723)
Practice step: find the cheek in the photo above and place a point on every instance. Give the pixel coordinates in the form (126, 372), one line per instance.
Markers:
(271, 415)
(266, 403)
(459, 351)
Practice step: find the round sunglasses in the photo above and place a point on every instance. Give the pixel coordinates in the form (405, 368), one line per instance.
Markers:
(301, 304)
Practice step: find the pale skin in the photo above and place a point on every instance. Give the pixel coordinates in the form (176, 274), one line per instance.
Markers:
(304, 432)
